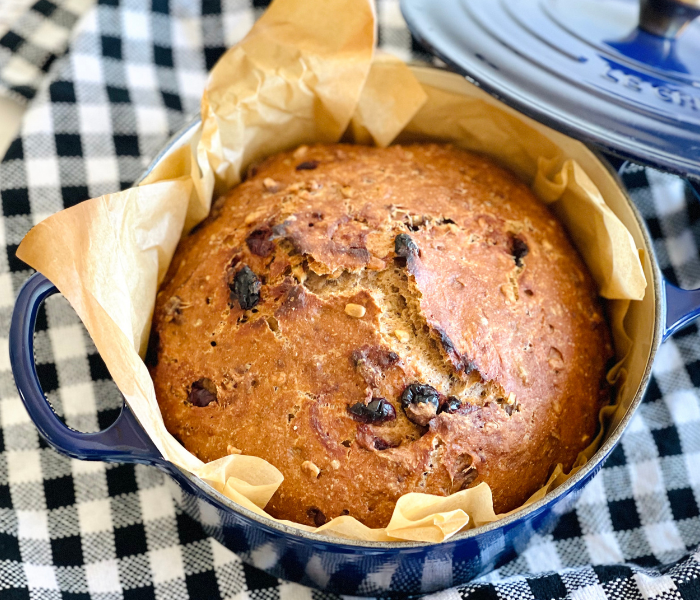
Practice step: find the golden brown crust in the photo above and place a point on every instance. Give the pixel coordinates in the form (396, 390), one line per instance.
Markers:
(489, 303)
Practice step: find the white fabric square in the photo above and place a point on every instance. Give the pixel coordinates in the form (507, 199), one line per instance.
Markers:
(12, 412)
(42, 172)
(646, 478)
(87, 68)
(94, 118)
(18, 71)
(651, 587)
(101, 169)
(32, 524)
(78, 399)
(603, 548)
(67, 342)
(294, 591)
(135, 25)
(542, 556)
(663, 537)
(667, 191)
(156, 503)
(86, 467)
(186, 33)
(40, 576)
(166, 564)
(95, 516)
(191, 83)
(683, 406)
(102, 577)
(23, 465)
(681, 247)
(49, 35)
(7, 295)
(151, 120)
(668, 359)
(221, 555)
(594, 492)
(4, 354)
(141, 76)
(590, 592)
(37, 119)
(692, 462)
(236, 25)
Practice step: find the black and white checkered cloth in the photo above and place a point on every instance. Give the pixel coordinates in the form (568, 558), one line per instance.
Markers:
(72, 530)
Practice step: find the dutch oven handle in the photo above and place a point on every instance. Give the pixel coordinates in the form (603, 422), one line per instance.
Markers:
(123, 441)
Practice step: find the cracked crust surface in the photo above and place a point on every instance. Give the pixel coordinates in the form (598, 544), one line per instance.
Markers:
(486, 301)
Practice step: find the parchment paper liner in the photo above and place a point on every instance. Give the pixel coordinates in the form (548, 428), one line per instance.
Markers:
(304, 74)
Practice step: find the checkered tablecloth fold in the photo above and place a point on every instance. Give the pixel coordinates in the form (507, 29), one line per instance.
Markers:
(132, 75)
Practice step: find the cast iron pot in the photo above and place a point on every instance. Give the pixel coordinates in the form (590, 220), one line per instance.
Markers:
(349, 567)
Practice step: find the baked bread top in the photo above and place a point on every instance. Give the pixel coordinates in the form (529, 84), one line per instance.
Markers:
(375, 322)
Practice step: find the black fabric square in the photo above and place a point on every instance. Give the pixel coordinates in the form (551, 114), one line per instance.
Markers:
(130, 540)
(9, 547)
(111, 47)
(24, 90)
(98, 369)
(653, 391)
(635, 179)
(13, 262)
(648, 562)
(108, 2)
(606, 573)
(211, 55)
(75, 596)
(202, 585)
(160, 6)
(48, 61)
(654, 226)
(143, 593)
(67, 551)
(126, 145)
(68, 144)
(2, 440)
(44, 7)
(106, 417)
(670, 274)
(121, 480)
(683, 504)
(689, 589)
(163, 56)
(568, 527)
(15, 150)
(47, 377)
(484, 592)
(15, 202)
(693, 369)
(189, 530)
(62, 91)
(16, 594)
(59, 492)
(547, 588)
(211, 7)
(42, 323)
(667, 441)
(617, 457)
(172, 101)
(261, 3)
(689, 330)
(74, 194)
(118, 95)
(11, 40)
(258, 580)
(5, 497)
(623, 514)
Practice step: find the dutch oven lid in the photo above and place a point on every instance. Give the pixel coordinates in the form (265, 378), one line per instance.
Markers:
(623, 75)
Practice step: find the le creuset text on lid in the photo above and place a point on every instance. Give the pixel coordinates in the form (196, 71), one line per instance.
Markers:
(623, 75)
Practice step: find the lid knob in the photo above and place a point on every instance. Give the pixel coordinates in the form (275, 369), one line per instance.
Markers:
(667, 18)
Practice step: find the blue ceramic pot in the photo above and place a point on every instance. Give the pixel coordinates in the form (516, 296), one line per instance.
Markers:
(324, 562)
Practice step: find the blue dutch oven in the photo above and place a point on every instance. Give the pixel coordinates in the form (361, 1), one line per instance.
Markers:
(382, 568)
